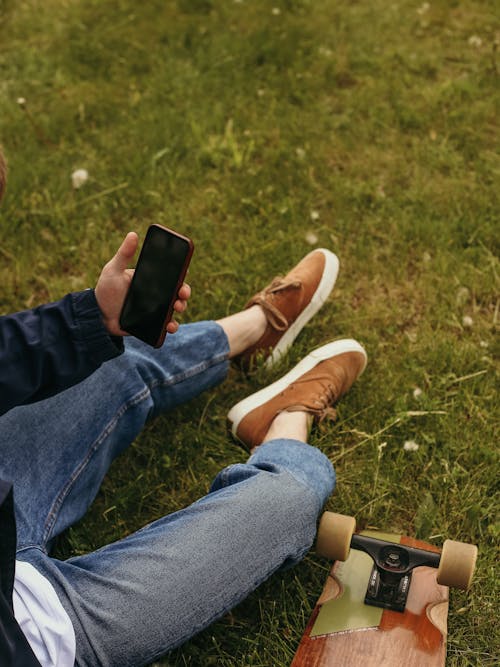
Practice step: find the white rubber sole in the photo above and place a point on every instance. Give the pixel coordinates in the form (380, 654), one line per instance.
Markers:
(241, 409)
(319, 297)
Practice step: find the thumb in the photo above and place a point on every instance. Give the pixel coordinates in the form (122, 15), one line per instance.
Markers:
(125, 252)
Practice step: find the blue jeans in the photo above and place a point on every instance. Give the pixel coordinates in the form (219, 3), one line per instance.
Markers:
(134, 600)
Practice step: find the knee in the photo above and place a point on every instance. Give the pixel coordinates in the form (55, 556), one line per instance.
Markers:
(277, 509)
(307, 465)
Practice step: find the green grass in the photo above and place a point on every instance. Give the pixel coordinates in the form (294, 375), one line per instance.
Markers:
(371, 126)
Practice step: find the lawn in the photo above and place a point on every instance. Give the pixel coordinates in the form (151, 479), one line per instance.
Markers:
(263, 130)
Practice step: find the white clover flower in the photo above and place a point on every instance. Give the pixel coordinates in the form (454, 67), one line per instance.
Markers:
(311, 238)
(475, 41)
(417, 392)
(314, 215)
(79, 177)
(467, 321)
(484, 344)
(276, 11)
(21, 101)
(410, 446)
(300, 153)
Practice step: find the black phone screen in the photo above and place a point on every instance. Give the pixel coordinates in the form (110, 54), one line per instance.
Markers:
(154, 286)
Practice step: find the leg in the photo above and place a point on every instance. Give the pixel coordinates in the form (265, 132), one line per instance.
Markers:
(161, 560)
(185, 570)
(57, 451)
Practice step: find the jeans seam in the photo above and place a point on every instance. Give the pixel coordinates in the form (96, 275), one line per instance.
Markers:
(195, 370)
(27, 547)
(59, 500)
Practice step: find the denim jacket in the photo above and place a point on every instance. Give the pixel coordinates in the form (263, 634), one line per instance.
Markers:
(42, 352)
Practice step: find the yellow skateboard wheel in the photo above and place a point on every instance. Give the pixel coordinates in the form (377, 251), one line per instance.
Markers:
(457, 564)
(334, 535)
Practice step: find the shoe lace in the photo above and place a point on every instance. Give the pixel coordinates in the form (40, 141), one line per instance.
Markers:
(274, 316)
(325, 400)
(321, 404)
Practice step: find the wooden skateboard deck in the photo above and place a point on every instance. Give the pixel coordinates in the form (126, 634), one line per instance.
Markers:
(344, 631)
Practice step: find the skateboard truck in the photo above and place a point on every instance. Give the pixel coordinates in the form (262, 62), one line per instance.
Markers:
(390, 578)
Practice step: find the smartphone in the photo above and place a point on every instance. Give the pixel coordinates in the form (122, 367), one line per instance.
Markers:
(159, 274)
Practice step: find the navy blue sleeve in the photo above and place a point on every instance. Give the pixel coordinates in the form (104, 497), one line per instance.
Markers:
(52, 347)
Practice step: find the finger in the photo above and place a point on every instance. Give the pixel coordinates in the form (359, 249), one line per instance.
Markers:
(125, 252)
(172, 327)
(184, 292)
(180, 306)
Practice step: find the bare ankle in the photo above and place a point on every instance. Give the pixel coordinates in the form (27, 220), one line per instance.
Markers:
(290, 426)
(244, 329)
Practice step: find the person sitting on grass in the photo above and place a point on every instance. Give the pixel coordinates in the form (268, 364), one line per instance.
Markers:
(75, 392)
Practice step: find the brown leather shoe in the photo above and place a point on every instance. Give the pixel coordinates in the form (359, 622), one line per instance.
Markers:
(290, 302)
(313, 386)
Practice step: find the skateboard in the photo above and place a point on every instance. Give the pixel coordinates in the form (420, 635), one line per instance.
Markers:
(385, 601)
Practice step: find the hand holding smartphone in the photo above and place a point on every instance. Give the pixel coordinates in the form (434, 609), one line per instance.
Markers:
(159, 274)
